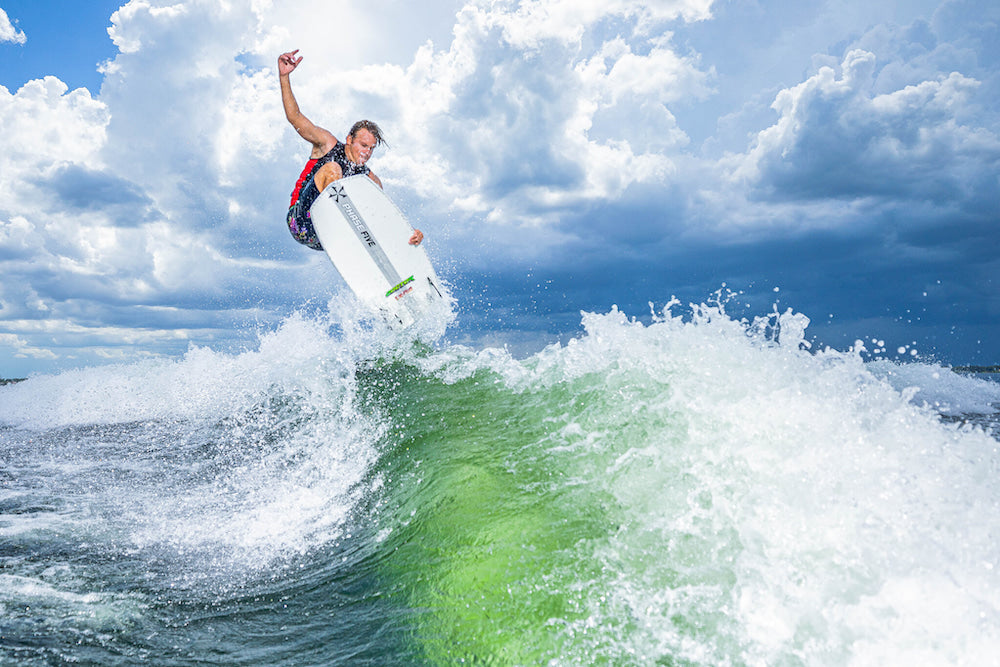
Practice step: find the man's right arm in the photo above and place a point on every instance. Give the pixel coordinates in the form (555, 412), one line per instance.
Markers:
(321, 139)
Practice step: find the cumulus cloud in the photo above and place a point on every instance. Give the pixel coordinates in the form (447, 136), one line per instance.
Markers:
(530, 24)
(81, 219)
(44, 124)
(158, 196)
(526, 126)
(836, 138)
(22, 349)
(8, 33)
(46, 129)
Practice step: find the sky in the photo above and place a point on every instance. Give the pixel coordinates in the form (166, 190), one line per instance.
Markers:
(840, 158)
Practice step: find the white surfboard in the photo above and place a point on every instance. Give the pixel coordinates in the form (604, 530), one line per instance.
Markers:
(367, 238)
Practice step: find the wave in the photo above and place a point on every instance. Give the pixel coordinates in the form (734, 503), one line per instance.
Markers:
(689, 490)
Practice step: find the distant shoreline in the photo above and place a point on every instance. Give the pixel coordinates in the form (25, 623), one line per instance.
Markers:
(976, 369)
(958, 369)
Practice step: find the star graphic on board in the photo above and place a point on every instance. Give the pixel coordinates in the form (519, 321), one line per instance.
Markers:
(337, 192)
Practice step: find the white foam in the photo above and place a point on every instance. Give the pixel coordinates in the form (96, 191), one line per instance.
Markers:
(943, 389)
(223, 463)
(302, 354)
(789, 506)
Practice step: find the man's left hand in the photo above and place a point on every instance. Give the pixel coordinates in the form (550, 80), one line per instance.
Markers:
(417, 237)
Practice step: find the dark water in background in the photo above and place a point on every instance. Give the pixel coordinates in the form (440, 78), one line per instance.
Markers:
(682, 493)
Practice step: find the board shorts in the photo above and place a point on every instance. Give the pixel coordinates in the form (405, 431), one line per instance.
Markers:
(301, 227)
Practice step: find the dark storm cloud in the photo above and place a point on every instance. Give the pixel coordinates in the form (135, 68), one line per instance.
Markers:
(78, 188)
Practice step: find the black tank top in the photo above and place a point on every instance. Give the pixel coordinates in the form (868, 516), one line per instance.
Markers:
(308, 192)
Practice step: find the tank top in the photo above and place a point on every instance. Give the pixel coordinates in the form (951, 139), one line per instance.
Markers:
(336, 154)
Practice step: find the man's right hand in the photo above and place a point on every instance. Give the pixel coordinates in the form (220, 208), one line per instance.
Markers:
(288, 62)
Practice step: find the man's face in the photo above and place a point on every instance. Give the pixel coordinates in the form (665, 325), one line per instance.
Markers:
(359, 146)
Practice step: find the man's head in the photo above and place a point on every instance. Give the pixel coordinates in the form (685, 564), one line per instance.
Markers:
(362, 140)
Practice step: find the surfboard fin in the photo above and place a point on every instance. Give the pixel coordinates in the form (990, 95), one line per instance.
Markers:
(431, 282)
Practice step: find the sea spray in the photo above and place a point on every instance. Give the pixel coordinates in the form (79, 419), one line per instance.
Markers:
(693, 492)
(221, 463)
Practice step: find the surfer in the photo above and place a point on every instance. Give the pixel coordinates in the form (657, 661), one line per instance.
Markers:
(330, 159)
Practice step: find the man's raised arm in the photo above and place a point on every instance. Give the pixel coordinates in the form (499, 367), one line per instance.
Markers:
(322, 140)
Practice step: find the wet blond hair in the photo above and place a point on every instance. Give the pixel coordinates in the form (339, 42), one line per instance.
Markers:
(371, 127)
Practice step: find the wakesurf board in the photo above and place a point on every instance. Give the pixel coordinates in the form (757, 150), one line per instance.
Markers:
(367, 237)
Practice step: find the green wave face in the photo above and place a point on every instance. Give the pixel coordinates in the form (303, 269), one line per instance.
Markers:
(524, 536)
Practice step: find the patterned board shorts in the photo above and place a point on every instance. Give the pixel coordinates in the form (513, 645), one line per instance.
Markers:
(301, 227)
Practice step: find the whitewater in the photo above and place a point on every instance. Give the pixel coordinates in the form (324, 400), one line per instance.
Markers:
(688, 489)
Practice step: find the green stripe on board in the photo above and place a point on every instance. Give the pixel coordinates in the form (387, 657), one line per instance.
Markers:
(399, 286)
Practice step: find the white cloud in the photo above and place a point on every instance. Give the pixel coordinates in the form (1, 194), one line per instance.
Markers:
(44, 125)
(45, 129)
(532, 22)
(103, 216)
(481, 116)
(8, 33)
(836, 138)
(247, 124)
(524, 126)
(21, 349)
(134, 23)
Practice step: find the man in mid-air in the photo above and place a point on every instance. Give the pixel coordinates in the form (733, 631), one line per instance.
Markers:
(330, 159)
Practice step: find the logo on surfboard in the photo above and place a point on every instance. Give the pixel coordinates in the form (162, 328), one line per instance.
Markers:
(336, 192)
